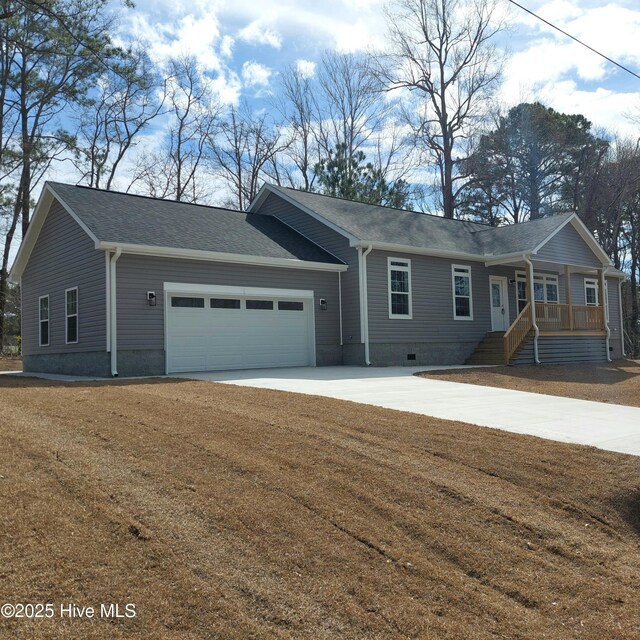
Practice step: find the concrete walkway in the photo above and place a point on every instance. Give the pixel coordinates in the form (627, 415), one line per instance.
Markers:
(607, 426)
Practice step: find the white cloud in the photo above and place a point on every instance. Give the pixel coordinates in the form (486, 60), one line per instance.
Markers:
(258, 33)
(226, 46)
(306, 68)
(255, 74)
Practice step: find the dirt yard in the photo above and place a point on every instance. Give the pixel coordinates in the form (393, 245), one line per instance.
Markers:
(230, 512)
(10, 364)
(615, 382)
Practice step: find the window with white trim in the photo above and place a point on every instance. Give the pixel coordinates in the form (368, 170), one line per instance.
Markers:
(71, 315)
(399, 278)
(590, 292)
(545, 289)
(43, 316)
(462, 297)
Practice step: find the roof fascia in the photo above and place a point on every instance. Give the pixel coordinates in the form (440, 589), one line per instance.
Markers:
(437, 253)
(214, 256)
(584, 233)
(268, 189)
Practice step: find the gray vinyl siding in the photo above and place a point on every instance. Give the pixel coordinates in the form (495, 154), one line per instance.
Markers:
(141, 327)
(64, 257)
(568, 247)
(332, 242)
(432, 301)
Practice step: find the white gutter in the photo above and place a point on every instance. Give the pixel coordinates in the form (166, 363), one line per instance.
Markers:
(364, 302)
(113, 323)
(605, 312)
(340, 305)
(621, 318)
(536, 330)
(213, 256)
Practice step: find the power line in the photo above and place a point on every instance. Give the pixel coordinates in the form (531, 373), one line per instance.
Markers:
(553, 26)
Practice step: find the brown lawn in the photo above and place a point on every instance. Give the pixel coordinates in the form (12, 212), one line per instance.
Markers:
(229, 512)
(616, 382)
(8, 363)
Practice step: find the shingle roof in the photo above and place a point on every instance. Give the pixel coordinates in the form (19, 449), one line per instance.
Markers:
(514, 238)
(394, 226)
(371, 223)
(129, 219)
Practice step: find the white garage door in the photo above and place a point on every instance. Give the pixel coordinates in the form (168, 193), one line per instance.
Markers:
(238, 330)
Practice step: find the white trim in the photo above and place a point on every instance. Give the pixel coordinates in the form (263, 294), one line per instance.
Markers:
(504, 286)
(114, 313)
(591, 283)
(406, 268)
(419, 251)
(603, 284)
(467, 269)
(621, 318)
(214, 256)
(48, 321)
(67, 315)
(364, 301)
(107, 289)
(545, 277)
(267, 189)
(215, 289)
(340, 306)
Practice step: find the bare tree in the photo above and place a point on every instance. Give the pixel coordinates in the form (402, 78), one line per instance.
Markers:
(441, 51)
(127, 98)
(175, 171)
(47, 65)
(296, 104)
(247, 144)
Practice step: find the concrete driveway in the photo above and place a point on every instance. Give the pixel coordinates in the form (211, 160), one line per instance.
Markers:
(607, 426)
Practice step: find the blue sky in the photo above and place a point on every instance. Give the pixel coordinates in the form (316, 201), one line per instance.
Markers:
(244, 45)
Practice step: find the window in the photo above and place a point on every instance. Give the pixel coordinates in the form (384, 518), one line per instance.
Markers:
(192, 303)
(591, 292)
(266, 305)
(43, 304)
(71, 314)
(286, 305)
(462, 300)
(224, 303)
(545, 289)
(399, 276)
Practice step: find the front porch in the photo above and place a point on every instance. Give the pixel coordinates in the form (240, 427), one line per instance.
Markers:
(568, 302)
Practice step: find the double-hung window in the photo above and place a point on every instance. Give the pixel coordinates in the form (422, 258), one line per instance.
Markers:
(71, 315)
(43, 311)
(545, 289)
(399, 274)
(462, 297)
(591, 292)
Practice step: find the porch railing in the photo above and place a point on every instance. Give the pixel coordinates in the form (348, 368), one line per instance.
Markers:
(565, 317)
(517, 332)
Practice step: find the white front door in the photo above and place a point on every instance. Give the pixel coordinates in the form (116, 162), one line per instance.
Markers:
(499, 303)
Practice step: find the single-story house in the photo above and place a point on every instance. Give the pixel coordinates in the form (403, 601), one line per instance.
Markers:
(114, 283)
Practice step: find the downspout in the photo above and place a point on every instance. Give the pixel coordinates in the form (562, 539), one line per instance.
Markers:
(340, 304)
(364, 301)
(605, 312)
(114, 332)
(621, 318)
(536, 330)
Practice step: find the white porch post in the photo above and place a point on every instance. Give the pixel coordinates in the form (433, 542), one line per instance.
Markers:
(603, 305)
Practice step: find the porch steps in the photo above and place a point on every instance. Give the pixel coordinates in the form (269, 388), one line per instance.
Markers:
(490, 350)
(562, 350)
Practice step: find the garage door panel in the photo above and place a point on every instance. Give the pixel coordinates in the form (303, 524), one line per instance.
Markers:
(212, 338)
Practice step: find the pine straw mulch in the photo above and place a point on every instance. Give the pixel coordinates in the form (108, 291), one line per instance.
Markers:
(232, 512)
